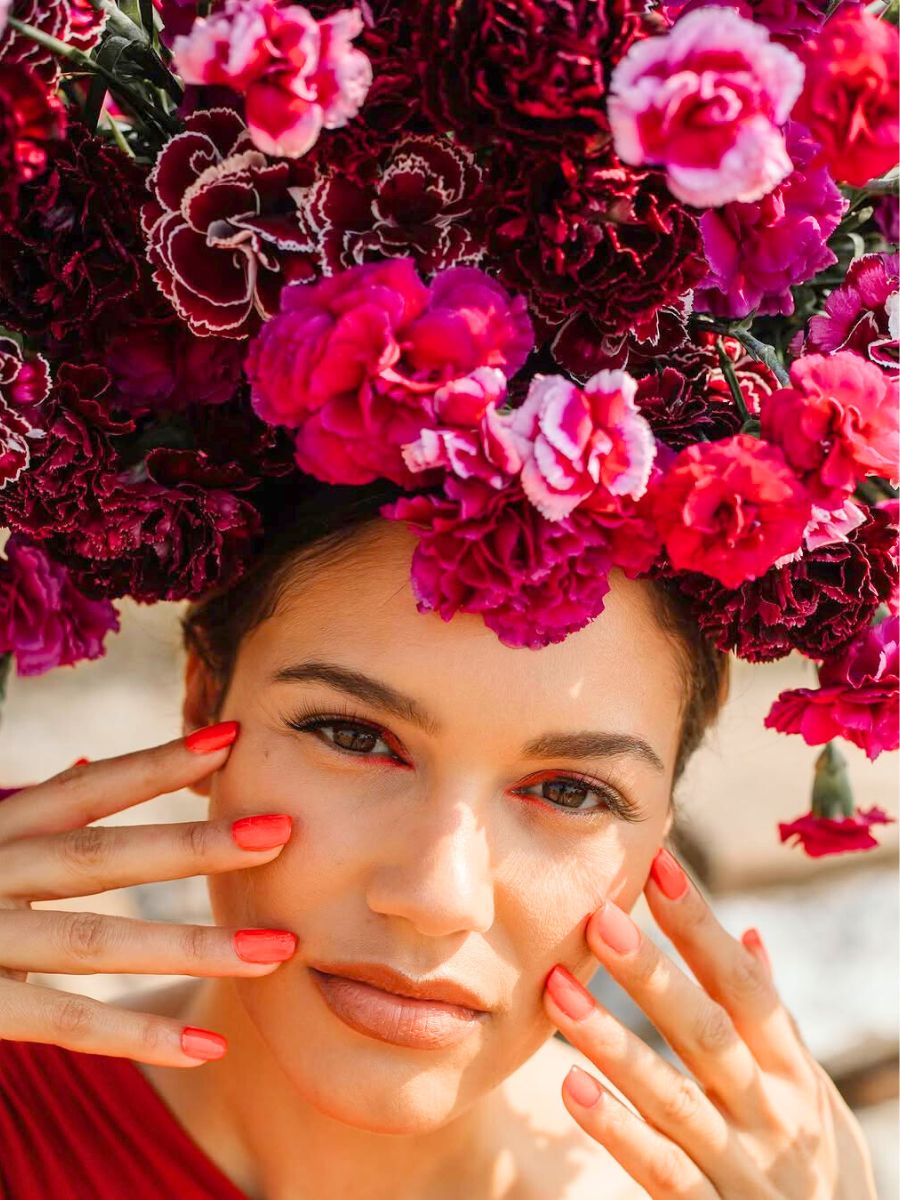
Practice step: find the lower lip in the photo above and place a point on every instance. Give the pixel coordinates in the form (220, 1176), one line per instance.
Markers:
(400, 1020)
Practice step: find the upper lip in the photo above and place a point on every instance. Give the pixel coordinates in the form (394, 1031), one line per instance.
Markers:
(389, 980)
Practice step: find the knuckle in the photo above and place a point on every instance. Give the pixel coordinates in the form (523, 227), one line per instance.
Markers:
(668, 1172)
(644, 968)
(84, 935)
(195, 942)
(151, 1035)
(748, 978)
(85, 847)
(196, 835)
(72, 1017)
(683, 1102)
(714, 1031)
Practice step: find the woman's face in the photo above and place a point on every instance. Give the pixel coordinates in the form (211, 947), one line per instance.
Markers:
(434, 841)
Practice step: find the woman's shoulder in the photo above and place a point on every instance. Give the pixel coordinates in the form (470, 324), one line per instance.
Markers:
(558, 1158)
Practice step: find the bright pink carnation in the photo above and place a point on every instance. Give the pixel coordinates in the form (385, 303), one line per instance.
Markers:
(353, 362)
(836, 423)
(706, 101)
(829, 835)
(857, 697)
(758, 251)
(730, 509)
(862, 314)
(298, 75)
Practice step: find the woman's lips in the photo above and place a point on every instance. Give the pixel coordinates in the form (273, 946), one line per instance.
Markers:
(400, 1020)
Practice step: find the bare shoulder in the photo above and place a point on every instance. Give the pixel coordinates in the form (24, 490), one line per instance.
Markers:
(557, 1157)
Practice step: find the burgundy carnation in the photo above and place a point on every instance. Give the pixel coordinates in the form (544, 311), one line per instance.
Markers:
(48, 16)
(30, 118)
(24, 384)
(222, 229)
(523, 72)
(45, 621)
(76, 253)
(815, 604)
(598, 241)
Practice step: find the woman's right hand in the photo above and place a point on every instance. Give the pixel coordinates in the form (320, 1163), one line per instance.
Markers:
(49, 851)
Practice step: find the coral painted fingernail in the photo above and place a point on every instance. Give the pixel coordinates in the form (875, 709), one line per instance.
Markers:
(583, 1089)
(569, 994)
(202, 1043)
(262, 833)
(668, 875)
(79, 762)
(212, 737)
(754, 943)
(264, 945)
(616, 928)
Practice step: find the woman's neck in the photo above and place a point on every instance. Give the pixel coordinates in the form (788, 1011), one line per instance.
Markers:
(252, 1123)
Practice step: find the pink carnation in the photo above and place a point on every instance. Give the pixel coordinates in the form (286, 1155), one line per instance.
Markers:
(298, 75)
(857, 697)
(24, 384)
(354, 362)
(758, 251)
(706, 101)
(836, 423)
(862, 314)
(730, 509)
(489, 551)
(829, 835)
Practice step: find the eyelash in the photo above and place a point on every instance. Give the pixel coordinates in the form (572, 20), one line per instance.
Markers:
(309, 720)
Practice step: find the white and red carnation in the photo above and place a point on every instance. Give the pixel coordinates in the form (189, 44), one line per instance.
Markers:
(707, 101)
(298, 75)
(836, 423)
(863, 314)
(24, 385)
(76, 22)
(222, 231)
(730, 509)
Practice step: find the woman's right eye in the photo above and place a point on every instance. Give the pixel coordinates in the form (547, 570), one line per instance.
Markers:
(349, 737)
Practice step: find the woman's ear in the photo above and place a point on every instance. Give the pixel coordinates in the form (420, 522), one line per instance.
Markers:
(198, 708)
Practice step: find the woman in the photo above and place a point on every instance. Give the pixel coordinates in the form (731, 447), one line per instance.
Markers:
(416, 822)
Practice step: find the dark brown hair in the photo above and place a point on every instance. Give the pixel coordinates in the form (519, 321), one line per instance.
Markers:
(313, 528)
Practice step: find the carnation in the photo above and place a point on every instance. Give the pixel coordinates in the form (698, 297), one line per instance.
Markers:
(788, 21)
(74, 21)
(24, 384)
(862, 313)
(30, 119)
(834, 835)
(729, 509)
(857, 697)
(45, 620)
(707, 101)
(836, 423)
(851, 94)
(758, 251)
(297, 75)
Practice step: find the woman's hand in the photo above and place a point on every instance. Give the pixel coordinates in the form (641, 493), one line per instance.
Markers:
(759, 1120)
(49, 851)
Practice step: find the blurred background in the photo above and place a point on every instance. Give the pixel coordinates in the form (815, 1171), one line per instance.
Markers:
(830, 925)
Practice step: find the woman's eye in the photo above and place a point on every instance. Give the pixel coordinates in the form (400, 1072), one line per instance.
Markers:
(353, 738)
(571, 794)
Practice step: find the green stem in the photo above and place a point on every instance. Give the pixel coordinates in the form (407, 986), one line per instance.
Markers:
(763, 353)
(137, 35)
(118, 136)
(732, 380)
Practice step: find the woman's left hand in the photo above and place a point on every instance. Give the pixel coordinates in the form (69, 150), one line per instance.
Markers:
(759, 1120)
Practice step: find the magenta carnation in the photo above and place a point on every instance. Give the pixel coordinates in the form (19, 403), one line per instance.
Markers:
(788, 21)
(730, 509)
(298, 76)
(758, 251)
(353, 362)
(857, 697)
(707, 101)
(862, 313)
(45, 621)
(836, 423)
(834, 835)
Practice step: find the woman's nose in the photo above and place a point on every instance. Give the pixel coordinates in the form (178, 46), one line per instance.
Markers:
(437, 874)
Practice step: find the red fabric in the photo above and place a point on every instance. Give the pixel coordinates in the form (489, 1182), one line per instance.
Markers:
(77, 1126)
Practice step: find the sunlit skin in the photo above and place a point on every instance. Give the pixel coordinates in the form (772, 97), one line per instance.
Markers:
(437, 852)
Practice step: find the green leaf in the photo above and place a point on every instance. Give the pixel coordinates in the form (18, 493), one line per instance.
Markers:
(5, 670)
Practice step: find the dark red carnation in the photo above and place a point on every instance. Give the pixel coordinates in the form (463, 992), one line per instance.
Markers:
(30, 118)
(76, 252)
(24, 384)
(51, 17)
(815, 604)
(597, 241)
(222, 229)
(524, 72)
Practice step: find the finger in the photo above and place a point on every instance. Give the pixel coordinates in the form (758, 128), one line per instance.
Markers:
(85, 793)
(96, 858)
(698, 1029)
(83, 943)
(663, 1169)
(735, 977)
(671, 1101)
(32, 1013)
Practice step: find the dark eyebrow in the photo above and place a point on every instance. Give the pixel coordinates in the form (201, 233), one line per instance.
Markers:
(588, 744)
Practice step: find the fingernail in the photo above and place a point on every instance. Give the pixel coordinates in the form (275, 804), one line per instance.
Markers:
(79, 762)
(570, 995)
(582, 1087)
(754, 943)
(264, 945)
(212, 737)
(262, 833)
(616, 928)
(202, 1043)
(668, 875)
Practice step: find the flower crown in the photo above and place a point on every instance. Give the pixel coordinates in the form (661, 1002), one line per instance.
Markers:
(596, 285)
